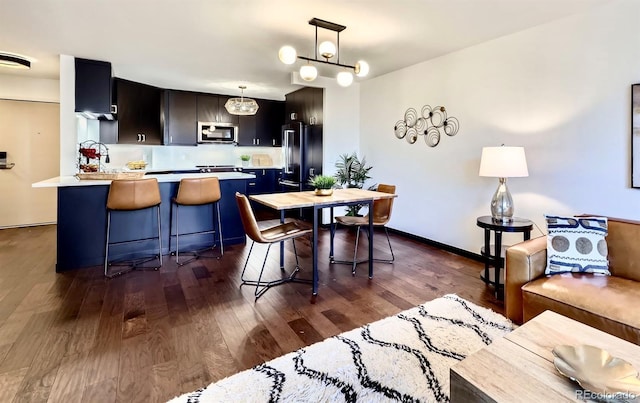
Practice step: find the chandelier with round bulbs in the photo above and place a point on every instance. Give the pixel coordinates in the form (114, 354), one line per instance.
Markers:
(326, 50)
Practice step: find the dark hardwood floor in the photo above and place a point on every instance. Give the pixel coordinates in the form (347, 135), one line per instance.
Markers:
(149, 336)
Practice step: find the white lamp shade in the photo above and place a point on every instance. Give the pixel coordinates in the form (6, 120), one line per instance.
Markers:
(308, 72)
(327, 49)
(344, 78)
(503, 162)
(287, 54)
(362, 68)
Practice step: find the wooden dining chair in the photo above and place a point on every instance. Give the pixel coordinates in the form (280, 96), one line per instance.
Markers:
(381, 215)
(278, 233)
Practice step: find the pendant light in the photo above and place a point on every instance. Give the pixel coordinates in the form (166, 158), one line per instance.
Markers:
(308, 72)
(327, 50)
(241, 106)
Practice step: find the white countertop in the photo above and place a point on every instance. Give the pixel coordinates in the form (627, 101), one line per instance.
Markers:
(64, 181)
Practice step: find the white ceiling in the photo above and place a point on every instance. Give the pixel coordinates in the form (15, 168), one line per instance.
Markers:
(216, 45)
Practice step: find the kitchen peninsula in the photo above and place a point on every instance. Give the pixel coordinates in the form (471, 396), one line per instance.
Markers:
(82, 219)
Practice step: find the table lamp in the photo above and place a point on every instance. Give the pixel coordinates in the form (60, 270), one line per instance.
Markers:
(502, 163)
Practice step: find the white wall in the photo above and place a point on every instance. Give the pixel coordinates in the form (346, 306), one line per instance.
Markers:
(68, 118)
(561, 90)
(24, 88)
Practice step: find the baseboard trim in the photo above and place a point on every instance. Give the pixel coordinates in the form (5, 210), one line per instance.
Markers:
(40, 224)
(440, 245)
(475, 256)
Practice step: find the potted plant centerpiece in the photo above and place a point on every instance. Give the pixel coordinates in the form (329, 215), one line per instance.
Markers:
(323, 184)
(245, 159)
(353, 172)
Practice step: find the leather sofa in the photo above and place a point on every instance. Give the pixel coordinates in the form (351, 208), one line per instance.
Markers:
(609, 303)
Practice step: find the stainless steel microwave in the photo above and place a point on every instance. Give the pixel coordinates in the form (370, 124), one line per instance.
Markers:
(215, 132)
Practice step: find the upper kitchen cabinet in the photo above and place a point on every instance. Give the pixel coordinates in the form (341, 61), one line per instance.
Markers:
(270, 123)
(180, 113)
(93, 87)
(211, 109)
(139, 108)
(264, 128)
(247, 129)
(306, 104)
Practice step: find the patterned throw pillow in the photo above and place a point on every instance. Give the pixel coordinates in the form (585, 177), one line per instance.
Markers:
(576, 244)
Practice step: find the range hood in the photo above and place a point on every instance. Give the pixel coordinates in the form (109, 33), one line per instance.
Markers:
(100, 116)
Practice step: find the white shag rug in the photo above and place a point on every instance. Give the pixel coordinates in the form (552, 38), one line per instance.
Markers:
(404, 358)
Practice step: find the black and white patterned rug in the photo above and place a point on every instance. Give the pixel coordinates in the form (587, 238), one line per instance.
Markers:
(404, 358)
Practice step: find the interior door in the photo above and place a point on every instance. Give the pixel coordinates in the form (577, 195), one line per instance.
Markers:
(30, 134)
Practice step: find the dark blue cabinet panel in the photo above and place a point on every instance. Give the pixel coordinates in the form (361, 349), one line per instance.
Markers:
(82, 223)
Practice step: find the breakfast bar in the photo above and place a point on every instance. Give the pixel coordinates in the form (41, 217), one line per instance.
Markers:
(82, 219)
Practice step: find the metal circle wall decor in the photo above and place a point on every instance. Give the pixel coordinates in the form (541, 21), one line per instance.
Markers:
(432, 136)
(428, 124)
(410, 117)
(412, 135)
(451, 126)
(400, 129)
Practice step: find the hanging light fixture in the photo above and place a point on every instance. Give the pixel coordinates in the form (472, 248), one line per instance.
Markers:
(308, 72)
(327, 50)
(241, 106)
(15, 61)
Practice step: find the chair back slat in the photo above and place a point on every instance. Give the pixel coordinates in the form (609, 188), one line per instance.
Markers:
(125, 194)
(197, 191)
(248, 219)
(382, 208)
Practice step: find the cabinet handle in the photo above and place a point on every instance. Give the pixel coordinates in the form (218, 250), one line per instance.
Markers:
(252, 183)
(114, 109)
(170, 139)
(257, 141)
(139, 137)
(273, 142)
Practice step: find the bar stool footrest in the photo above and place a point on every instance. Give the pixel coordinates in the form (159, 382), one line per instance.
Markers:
(197, 254)
(132, 265)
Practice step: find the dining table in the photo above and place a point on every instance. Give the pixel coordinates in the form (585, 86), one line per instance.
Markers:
(340, 197)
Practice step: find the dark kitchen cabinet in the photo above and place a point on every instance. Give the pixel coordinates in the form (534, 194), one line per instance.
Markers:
(247, 127)
(265, 181)
(138, 113)
(306, 104)
(263, 128)
(270, 123)
(93, 86)
(180, 114)
(210, 108)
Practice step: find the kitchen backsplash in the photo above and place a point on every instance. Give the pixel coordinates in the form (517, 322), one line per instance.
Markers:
(183, 157)
(173, 157)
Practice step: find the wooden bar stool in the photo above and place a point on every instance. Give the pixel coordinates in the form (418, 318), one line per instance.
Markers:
(198, 192)
(131, 195)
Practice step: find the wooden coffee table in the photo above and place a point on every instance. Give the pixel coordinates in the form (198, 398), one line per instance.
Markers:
(519, 367)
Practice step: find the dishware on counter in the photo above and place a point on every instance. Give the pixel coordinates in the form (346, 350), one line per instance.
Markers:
(136, 165)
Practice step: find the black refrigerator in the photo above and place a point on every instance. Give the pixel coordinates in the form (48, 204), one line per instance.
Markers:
(301, 155)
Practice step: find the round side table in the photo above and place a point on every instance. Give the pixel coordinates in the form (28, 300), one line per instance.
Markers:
(493, 253)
